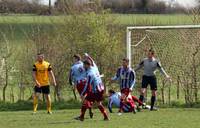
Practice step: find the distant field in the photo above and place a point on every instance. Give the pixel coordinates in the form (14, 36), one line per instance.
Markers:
(164, 118)
(142, 19)
(121, 19)
(18, 26)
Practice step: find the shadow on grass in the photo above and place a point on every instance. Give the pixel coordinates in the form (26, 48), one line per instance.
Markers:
(73, 104)
(67, 122)
(28, 105)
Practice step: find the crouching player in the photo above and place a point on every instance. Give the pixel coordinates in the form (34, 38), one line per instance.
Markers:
(126, 78)
(129, 104)
(95, 89)
(77, 77)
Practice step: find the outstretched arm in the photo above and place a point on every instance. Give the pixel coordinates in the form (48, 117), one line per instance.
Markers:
(117, 76)
(93, 63)
(140, 65)
(161, 69)
(90, 58)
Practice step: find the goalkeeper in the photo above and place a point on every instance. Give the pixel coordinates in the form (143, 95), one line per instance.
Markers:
(150, 65)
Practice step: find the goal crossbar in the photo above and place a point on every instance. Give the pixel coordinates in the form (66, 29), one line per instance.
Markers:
(129, 29)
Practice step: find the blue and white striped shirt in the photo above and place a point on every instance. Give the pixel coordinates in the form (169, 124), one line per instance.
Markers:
(125, 77)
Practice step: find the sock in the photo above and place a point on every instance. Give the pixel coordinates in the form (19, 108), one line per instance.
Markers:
(35, 103)
(132, 106)
(83, 110)
(90, 110)
(103, 111)
(141, 98)
(137, 100)
(48, 106)
(153, 99)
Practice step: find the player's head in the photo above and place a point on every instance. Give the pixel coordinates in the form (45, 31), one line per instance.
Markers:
(125, 62)
(151, 53)
(111, 92)
(77, 57)
(40, 57)
(87, 63)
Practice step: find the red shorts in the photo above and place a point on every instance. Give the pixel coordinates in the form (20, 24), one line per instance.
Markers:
(130, 101)
(92, 97)
(129, 105)
(80, 86)
(125, 91)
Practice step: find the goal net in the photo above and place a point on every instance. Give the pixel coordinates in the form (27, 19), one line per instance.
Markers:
(178, 49)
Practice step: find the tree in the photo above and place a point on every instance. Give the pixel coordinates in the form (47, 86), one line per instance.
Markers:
(21, 6)
(50, 8)
(6, 53)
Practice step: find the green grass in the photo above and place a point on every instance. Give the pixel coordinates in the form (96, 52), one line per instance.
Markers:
(122, 19)
(16, 27)
(164, 118)
(152, 19)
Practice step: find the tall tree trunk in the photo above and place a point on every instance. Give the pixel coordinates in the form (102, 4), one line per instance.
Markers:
(6, 79)
(169, 95)
(163, 92)
(50, 8)
(57, 93)
(12, 96)
(178, 88)
(195, 81)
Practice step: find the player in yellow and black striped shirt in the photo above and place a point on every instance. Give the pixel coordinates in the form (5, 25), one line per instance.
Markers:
(41, 72)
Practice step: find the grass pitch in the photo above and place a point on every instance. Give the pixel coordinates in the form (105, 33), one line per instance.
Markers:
(164, 118)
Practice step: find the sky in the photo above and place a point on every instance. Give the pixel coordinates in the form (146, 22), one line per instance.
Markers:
(185, 3)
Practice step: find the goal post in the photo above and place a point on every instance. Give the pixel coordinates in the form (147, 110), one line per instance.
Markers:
(129, 38)
(178, 49)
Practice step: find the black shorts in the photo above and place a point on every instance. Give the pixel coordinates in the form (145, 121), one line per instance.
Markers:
(151, 80)
(43, 89)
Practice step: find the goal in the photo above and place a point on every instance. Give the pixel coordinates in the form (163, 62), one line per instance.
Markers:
(178, 49)
(132, 42)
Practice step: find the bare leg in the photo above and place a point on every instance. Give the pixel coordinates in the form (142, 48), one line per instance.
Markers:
(48, 100)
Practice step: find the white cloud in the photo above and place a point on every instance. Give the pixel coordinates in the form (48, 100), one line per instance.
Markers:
(47, 1)
(185, 3)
